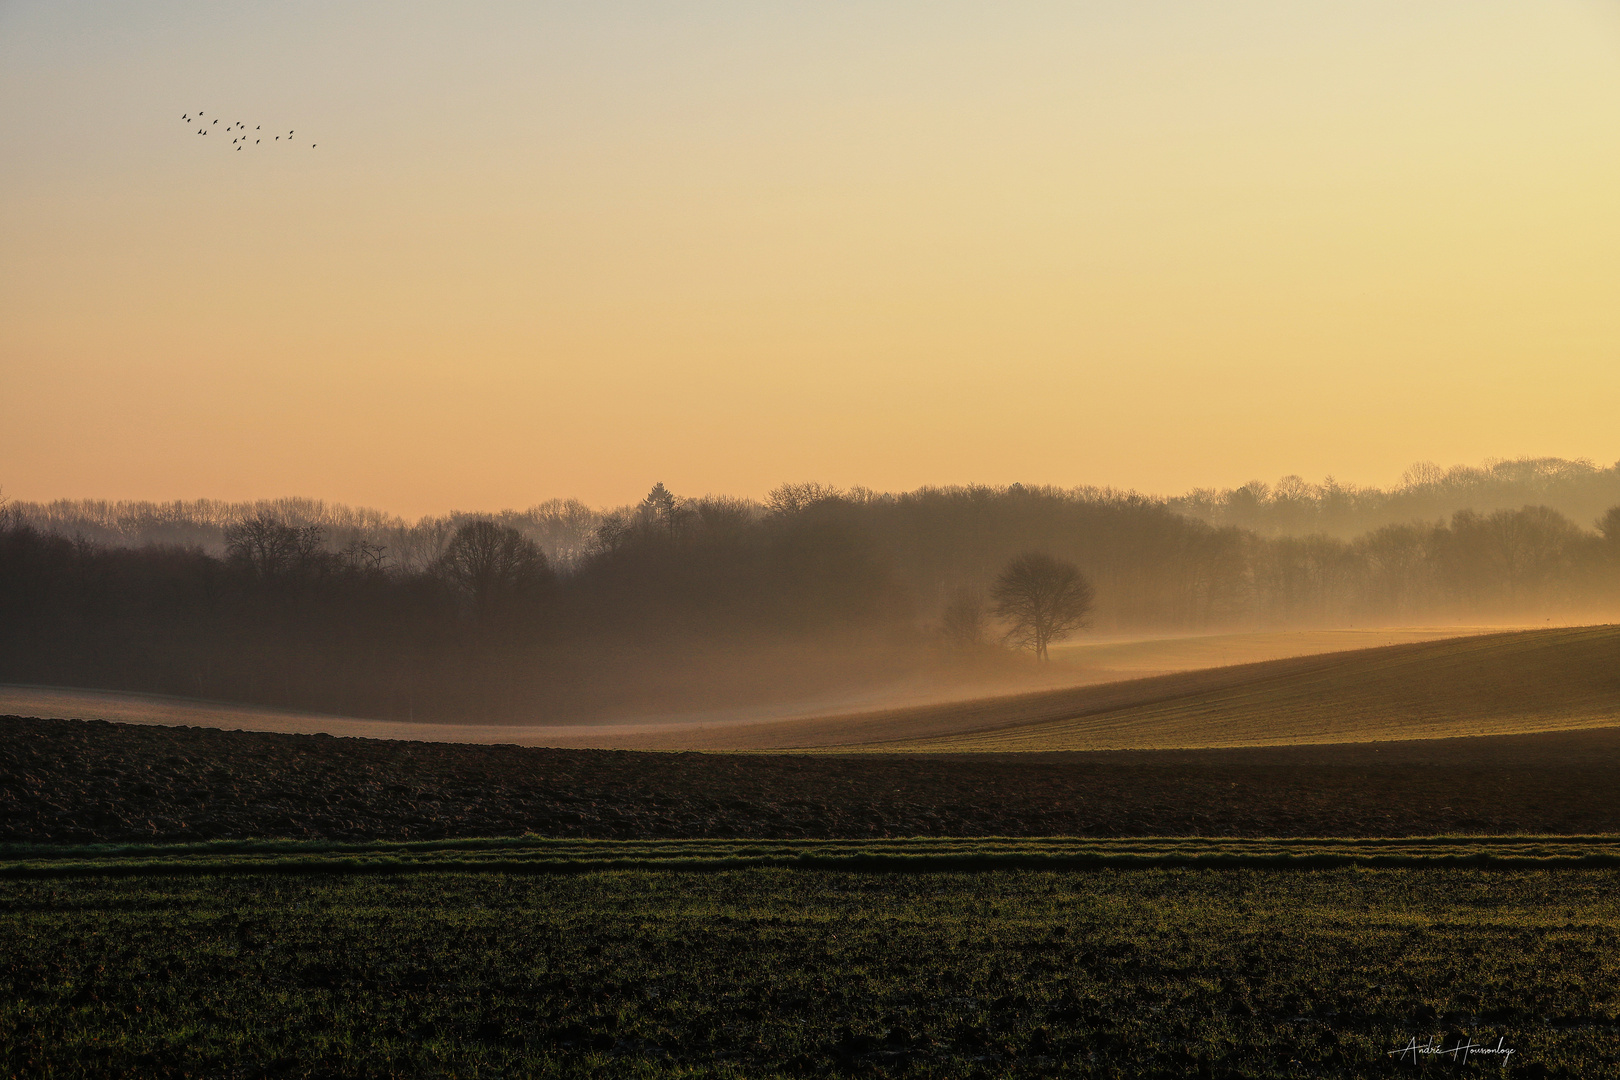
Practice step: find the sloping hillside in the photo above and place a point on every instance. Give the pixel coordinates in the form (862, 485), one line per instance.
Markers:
(1494, 684)
(1539, 680)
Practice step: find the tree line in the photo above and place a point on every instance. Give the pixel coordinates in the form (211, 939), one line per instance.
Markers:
(1580, 490)
(677, 600)
(567, 530)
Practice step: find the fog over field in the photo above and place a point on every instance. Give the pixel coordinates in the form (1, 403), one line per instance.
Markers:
(680, 610)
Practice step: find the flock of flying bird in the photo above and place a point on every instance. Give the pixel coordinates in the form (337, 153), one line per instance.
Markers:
(238, 129)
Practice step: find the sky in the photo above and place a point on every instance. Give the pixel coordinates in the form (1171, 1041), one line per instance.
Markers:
(519, 251)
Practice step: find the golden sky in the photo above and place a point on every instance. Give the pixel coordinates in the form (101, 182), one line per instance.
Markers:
(568, 249)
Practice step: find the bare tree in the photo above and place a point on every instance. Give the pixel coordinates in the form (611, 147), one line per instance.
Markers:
(1043, 599)
(364, 557)
(718, 514)
(269, 547)
(564, 529)
(790, 499)
(494, 566)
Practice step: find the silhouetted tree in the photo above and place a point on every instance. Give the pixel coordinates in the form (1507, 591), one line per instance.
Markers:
(723, 516)
(1397, 568)
(364, 557)
(1609, 526)
(269, 548)
(660, 509)
(790, 499)
(495, 567)
(1535, 544)
(1044, 600)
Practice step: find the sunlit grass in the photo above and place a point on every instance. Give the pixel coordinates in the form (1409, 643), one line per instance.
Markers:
(1498, 684)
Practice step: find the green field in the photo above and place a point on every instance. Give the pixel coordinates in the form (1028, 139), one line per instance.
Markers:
(1172, 958)
(1496, 684)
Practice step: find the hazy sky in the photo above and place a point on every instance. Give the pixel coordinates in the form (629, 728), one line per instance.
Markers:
(568, 249)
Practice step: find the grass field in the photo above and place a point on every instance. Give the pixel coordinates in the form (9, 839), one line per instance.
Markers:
(1156, 656)
(1091, 678)
(1528, 681)
(1118, 970)
(1484, 684)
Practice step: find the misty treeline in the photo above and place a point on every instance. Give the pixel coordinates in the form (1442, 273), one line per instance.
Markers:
(682, 602)
(566, 529)
(1580, 490)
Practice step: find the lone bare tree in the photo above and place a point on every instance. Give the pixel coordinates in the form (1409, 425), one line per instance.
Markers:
(1043, 599)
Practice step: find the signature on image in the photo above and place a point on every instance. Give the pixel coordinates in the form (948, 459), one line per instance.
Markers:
(1431, 1047)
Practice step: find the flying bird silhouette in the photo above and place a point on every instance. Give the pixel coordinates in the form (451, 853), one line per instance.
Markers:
(239, 129)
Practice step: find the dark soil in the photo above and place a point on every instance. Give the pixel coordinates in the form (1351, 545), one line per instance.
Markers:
(82, 781)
